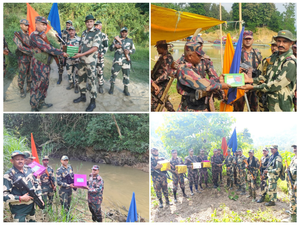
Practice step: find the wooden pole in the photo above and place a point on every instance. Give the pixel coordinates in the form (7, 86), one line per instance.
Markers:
(221, 35)
(240, 13)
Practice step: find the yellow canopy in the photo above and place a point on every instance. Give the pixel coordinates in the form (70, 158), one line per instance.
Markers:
(163, 24)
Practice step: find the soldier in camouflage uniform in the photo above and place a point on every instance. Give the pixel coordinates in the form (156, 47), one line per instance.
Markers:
(193, 88)
(253, 163)
(229, 169)
(65, 187)
(28, 158)
(193, 176)
(263, 177)
(72, 64)
(273, 170)
(101, 52)
(20, 203)
(88, 52)
(160, 74)
(40, 65)
(280, 82)
(62, 60)
(292, 190)
(95, 193)
(222, 160)
(216, 165)
(120, 61)
(175, 176)
(159, 178)
(294, 48)
(202, 171)
(47, 189)
(241, 172)
(24, 53)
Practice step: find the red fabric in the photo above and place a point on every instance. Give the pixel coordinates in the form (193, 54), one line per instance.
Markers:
(33, 150)
(224, 147)
(31, 14)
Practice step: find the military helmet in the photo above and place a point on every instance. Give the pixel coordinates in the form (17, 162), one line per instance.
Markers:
(285, 34)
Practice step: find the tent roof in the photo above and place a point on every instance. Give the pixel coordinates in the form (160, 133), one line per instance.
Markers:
(163, 24)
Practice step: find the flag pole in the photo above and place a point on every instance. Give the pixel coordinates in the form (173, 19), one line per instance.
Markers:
(220, 7)
(247, 103)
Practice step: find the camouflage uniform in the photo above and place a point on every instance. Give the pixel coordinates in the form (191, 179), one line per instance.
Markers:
(253, 58)
(254, 165)
(202, 171)
(229, 169)
(159, 179)
(87, 64)
(216, 170)
(47, 190)
(65, 37)
(65, 191)
(161, 79)
(24, 58)
(5, 47)
(241, 172)
(120, 61)
(72, 64)
(293, 192)
(193, 176)
(263, 184)
(100, 60)
(11, 194)
(176, 177)
(222, 160)
(95, 196)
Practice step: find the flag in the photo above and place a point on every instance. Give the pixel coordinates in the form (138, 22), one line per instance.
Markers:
(54, 18)
(235, 68)
(224, 147)
(232, 143)
(33, 150)
(31, 14)
(132, 212)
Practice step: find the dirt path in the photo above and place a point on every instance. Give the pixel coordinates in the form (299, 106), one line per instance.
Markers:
(62, 99)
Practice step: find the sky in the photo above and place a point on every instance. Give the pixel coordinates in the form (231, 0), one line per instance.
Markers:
(279, 6)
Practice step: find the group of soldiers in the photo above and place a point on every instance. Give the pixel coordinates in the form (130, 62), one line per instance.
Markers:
(269, 168)
(21, 204)
(35, 54)
(270, 82)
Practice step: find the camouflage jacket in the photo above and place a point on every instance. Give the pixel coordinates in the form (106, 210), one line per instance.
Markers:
(254, 57)
(275, 165)
(161, 69)
(200, 159)
(229, 161)
(156, 172)
(104, 44)
(89, 39)
(27, 52)
(175, 162)
(264, 162)
(215, 160)
(45, 181)
(280, 81)
(253, 166)
(264, 65)
(240, 164)
(61, 176)
(119, 53)
(221, 157)
(64, 36)
(95, 191)
(293, 170)
(188, 80)
(11, 194)
(189, 160)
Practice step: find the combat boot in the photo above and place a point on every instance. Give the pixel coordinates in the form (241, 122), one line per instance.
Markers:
(174, 193)
(168, 202)
(71, 85)
(201, 187)
(270, 203)
(294, 218)
(254, 196)
(100, 89)
(111, 90)
(91, 106)
(231, 185)
(126, 92)
(228, 183)
(22, 93)
(262, 199)
(82, 98)
(59, 79)
(76, 89)
(239, 189)
(43, 104)
(250, 193)
(243, 191)
(183, 191)
(160, 203)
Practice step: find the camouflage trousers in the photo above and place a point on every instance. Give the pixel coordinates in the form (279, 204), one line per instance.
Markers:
(24, 71)
(65, 195)
(100, 69)
(61, 65)
(160, 184)
(251, 182)
(263, 185)
(87, 71)
(272, 190)
(95, 209)
(47, 193)
(239, 104)
(40, 82)
(241, 175)
(177, 179)
(295, 101)
(215, 174)
(229, 173)
(293, 200)
(193, 177)
(154, 102)
(116, 67)
(203, 173)
(23, 213)
(72, 67)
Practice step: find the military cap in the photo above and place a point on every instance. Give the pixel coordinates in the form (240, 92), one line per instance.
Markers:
(70, 22)
(174, 150)
(239, 150)
(228, 150)
(123, 28)
(28, 155)
(285, 34)
(98, 22)
(24, 21)
(89, 17)
(95, 167)
(294, 146)
(247, 34)
(64, 157)
(197, 39)
(274, 147)
(41, 19)
(194, 47)
(71, 28)
(215, 150)
(191, 149)
(266, 149)
(17, 152)
(153, 149)
(45, 158)
(251, 151)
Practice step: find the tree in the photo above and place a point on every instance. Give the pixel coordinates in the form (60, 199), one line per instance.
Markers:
(275, 23)
(289, 19)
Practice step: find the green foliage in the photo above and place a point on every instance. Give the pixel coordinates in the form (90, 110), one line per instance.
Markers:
(233, 196)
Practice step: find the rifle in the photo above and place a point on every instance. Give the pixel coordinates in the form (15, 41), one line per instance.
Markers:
(289, 176)
(162, 174)
(18, 36)
(51, 182)
(20, 184)
(44, 37)
(164, 97)
(126, 55)
(250, 170)
(61, 40)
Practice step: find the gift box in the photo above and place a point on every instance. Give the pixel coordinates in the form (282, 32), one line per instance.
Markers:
(70, 50)
(166, 165)
(235, 79)
(181, 169)
(80, 180)
(37, 169)
(196, 165)
(206, 164)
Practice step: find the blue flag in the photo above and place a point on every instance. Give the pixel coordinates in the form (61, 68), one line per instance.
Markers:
(235, 66)
(132, 213)
(232, 143)
(54, 18)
